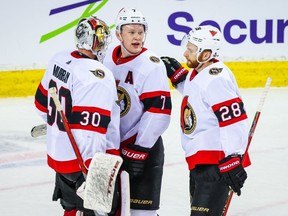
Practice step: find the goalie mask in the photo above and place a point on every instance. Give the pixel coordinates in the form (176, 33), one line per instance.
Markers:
(93, 34)
(130, 16)
(205, 38)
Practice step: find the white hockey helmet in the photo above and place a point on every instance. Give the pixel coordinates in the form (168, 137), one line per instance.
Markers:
(205, 38)
(92, 34)
(130, 16)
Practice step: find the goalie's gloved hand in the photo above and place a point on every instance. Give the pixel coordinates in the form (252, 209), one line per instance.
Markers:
(233, 172)
(134, 158)
(175, 71)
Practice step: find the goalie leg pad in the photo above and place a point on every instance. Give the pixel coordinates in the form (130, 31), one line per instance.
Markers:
(100, 182)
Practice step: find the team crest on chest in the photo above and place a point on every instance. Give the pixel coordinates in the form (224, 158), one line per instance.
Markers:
(215, 71)
(188, 117)
(98, 73)
(154, 59)
(124, 101)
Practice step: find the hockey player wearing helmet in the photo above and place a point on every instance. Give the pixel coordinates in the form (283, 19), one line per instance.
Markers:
(88, 94)
(144, 96)
(215, 139)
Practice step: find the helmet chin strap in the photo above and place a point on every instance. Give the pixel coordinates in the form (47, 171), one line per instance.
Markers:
(200, 62)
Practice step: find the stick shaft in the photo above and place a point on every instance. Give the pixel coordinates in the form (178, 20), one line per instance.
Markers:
(251, 133)
(56, 100)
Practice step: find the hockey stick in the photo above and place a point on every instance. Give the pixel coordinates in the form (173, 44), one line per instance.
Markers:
(250, 136)
(103, 171)
(39, 130)
(56, 100)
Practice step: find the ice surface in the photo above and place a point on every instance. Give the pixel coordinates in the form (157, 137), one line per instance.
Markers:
(27, 182)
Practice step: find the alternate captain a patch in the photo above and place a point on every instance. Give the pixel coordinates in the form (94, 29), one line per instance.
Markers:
(98, 73)
(188, 117)
(154, 59)
(215, 71)
(124, 101)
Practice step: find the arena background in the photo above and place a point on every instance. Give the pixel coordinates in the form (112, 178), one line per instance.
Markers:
(255, 35)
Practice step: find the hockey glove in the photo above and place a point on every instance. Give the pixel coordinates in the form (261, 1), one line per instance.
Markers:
(175, 71)
(233, 172)
(134, 158)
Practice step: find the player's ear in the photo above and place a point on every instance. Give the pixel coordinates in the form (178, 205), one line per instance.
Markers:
(205, 55)
(118, 35)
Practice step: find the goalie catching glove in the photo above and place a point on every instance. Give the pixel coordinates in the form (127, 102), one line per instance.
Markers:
(134, 158)
(233, 172)
(175, 71)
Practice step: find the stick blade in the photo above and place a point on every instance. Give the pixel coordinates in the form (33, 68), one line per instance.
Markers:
(38, 130)
(100, 182)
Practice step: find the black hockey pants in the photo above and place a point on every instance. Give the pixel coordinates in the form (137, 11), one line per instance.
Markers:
(208, 191)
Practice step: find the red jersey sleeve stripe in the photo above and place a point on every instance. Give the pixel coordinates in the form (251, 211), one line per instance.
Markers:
(91, 109)
(43, 90)
(41, 98)
(154, 94)
(157, 110)
(157, 102)
(230, 112)
(90, 118)
(89, 128)
(113, 151)
(40, 107)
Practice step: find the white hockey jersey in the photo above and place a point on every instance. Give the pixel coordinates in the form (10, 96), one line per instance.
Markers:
(213, 117)
(144, 96)
(88, 96)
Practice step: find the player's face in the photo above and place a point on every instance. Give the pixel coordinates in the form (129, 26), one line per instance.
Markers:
(133, 36)
(191, 55)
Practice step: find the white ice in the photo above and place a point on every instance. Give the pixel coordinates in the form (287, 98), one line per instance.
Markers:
(27, 182)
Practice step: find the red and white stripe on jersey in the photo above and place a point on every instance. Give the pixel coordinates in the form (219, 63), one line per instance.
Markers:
(204, 157)
(90, 118)
(41, 98)
(229, 112)
(67, 166)
(157, 102)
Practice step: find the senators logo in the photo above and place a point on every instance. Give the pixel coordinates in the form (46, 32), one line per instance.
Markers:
(98, 73)
(215, 71)
(154, 59)
(188, 117)
(124, 101)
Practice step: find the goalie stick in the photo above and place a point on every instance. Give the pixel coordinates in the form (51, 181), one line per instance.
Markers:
(38, 130)
(103, 170)
(250, 136)
(56, 100)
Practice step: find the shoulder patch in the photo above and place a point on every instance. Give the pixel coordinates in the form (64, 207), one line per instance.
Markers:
(215, 71)
(98, 73)
(154, 59)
